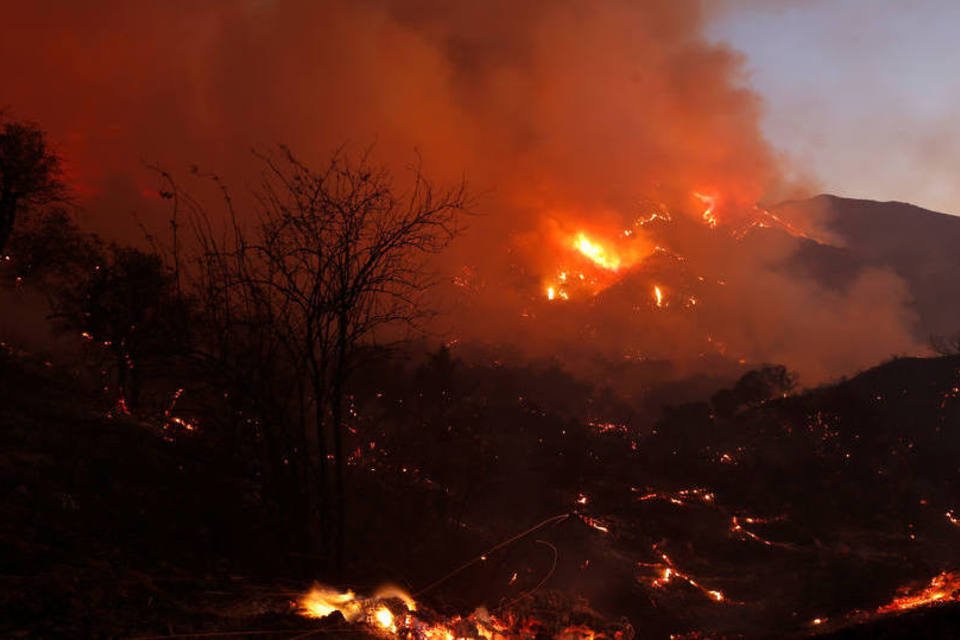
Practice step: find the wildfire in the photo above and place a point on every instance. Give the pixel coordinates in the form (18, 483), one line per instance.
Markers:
(708, 214)
(392, 613)
(667, 572)
(554, 293)
(590, 262)
(944, 587)
(599, 255)
(679, 498)
(738, 530)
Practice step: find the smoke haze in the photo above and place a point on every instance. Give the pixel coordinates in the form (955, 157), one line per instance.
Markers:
(565, 117)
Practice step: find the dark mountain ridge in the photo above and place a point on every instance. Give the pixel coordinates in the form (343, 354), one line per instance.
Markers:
(919, 245)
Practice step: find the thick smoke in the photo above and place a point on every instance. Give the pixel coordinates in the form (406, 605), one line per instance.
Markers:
(562, 114)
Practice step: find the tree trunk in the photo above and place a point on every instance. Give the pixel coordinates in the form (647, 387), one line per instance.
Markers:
(336, 410)
(8, 213)
(322, 475)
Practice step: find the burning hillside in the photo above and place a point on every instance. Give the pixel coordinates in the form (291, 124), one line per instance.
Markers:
(674, 285)
(593, 163)
(754, 512)
(547, 358)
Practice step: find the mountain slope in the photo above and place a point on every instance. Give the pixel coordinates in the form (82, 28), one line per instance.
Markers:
(921, 246)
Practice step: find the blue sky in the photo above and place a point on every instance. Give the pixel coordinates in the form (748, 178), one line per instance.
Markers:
(863, 96)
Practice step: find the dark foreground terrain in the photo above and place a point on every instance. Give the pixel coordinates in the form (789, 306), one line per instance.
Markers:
(801, 516)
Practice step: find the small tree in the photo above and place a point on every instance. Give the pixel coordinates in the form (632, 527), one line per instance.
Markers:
(337, 261)
(121, 298)
(128, 304)
(30, 174)
(756, 386)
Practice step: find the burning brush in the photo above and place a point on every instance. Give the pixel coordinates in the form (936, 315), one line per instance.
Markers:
(392, 613)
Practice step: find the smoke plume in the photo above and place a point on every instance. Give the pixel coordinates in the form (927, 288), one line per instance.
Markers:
(565, 116)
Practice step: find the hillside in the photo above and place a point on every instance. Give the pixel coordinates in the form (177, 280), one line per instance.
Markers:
(821, 505)
(918, 244)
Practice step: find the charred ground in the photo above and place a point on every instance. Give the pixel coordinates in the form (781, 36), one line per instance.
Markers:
(814, 506)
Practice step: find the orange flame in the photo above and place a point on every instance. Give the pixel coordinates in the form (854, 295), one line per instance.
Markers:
(667, 572)
(322, 601)
(944, 587)
(590, 262)
(602, 256)
(708, 215)
(390, 620)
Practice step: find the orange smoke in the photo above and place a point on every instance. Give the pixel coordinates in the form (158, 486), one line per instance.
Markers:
(616, 111)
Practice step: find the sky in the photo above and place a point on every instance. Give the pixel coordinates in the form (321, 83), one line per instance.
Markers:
(861, 95)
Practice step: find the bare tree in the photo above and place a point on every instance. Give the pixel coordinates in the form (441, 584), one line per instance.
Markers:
(337, 260)
(30, 174)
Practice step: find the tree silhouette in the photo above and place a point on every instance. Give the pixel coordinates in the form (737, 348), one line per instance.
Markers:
(756, 386)
(336, 261)
(121, 298)
(30, 174)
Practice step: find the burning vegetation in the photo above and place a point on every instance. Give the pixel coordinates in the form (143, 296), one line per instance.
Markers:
(258, 391)
(391, 612)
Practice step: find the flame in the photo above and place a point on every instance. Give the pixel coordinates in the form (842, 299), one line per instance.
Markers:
(554, 293)
(708, 215)
(602, 256)
(382, 615)
(322, 601)
(389, 591)
(667, 572)
(384, 618)
(588, 262)
(658, 296)
(679, 498)
(944, 587)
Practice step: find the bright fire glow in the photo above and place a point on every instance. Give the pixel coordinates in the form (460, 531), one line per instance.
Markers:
(599, 255)
(667, 572)
(388, 621)
(322, 601)
(384, 618)
(944, 587)
(708, 214)
(658, 296)
(588, 262)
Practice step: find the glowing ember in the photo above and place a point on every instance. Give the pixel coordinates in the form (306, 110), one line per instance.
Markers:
(595, 524)
(679, 498)
(737, 529)
(658, 296)
(944, 587)
(386, 617)
(667, 572)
